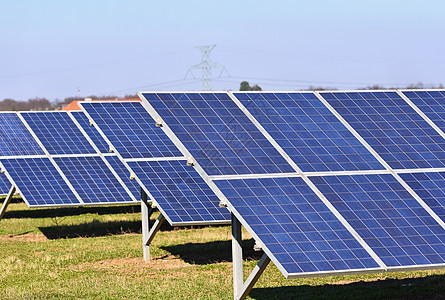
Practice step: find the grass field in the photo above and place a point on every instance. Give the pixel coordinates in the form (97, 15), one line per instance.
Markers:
(85, 253)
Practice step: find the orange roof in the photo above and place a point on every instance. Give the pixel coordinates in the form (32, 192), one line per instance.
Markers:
(74, 106)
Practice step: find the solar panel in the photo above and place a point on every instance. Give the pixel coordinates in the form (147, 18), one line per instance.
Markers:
(217, 133)
(15, 137)
(430, 187)
(5, 185)
(39, 182)
(391, 127)
(308, 132)
(58, 133)
(91, 131)
(93, 180)
(130, 129)
(297, 229)
(181, 193)
(124, 175)
(431, 103)
(387, 217)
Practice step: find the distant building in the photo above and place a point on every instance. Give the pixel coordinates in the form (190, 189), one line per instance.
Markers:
(74, 106)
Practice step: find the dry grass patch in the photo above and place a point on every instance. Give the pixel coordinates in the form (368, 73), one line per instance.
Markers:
(27, 237)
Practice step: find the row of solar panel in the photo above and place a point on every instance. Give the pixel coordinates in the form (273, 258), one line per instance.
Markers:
(180, 192)
(328, 131)
(332, 223)
(45, 179)
(228, 136)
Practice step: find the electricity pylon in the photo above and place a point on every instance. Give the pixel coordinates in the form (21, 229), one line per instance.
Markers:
(206, 65)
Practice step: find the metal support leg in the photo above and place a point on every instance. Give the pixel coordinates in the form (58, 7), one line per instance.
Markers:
(145, 211)
(7, 201)
(237, 256)
(240, 288)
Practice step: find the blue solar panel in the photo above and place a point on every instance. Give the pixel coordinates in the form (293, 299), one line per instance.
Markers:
(396, 132)
(91, 131)
(58, 133)
(5, 185)
(430, 187)
(182, 194)
(308, 132)
(92, 180)
(130, 129)
(15, 137)
(217, 133)
(39, 182)
(124, 175)
(387, 217)
(295, 225)
(431, 103)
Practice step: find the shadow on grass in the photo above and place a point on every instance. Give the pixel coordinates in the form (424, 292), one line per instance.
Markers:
(91, 229)
(71, 211)
(429, 287)
(211, 252)
(98, 228)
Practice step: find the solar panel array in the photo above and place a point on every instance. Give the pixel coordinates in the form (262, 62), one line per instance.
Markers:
(158, 166)
(52, 162)
(327, 182)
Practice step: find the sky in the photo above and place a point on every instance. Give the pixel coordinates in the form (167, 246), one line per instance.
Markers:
(59, 49)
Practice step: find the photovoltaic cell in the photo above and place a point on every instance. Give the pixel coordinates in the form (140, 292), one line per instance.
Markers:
(5, 185)
(295, 225)
(308, 132)
(15, 137)
(392, 127)
(430, 187)
(39, 182)
(91, 131)
(387, 217)
(130, 129)
(58, 133)
(124, 175)
(182, 194)
(217, 133)
(92, 180)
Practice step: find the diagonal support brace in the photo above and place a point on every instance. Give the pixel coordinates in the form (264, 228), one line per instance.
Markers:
(7, 201)
(253, 277)
(154, 229)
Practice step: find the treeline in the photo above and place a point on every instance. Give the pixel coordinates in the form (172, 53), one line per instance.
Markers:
(37, 104)
(44, 104)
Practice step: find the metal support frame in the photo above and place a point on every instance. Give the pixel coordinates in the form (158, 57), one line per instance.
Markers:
(147, 233)
(7, 201)
(240, 288)
(146, 213)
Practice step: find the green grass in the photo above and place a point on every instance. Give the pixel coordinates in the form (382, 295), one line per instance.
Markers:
(95, 253)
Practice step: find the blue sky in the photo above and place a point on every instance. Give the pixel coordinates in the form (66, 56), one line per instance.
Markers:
(53, 48)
